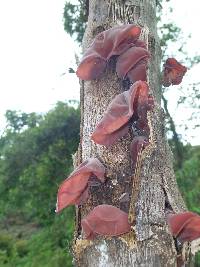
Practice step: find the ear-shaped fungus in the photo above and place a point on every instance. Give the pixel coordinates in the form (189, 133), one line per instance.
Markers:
(105, 45)
(133, 63)
(139, 72)
(137, 145)
(105, 220)
(173, 72)
(123, 107)
(184, 226)
(74, 190)
(140, 43)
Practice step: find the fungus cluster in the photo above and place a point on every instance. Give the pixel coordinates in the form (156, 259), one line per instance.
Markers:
(119, 41)
(127, 111)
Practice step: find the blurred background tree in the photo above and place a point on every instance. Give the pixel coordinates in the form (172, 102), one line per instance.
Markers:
(35, 156)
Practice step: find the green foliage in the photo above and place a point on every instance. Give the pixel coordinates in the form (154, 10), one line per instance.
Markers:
(168, 32)
(188, 178)
(197, 260)
(6, 246)
(17, 120)
(22, 247)
(49, 247)
(34, 159)
(75, 19)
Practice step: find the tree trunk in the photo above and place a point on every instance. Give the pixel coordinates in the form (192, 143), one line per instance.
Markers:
(151, 243)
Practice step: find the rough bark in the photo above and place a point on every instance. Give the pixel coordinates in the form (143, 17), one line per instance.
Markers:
(151, 244)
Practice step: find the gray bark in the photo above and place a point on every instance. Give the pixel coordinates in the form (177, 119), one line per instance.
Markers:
(151, 244)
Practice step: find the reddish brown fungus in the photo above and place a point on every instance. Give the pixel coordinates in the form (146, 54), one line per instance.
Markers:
(114, 123)
(108, 43)
(145, 101)
(139, 72)
(140, 43)
(137, 145)
(105, 220)
(74, 190)
(134, 58)
(185, 226)
(91, 68)
(173, 72)
(177, 221)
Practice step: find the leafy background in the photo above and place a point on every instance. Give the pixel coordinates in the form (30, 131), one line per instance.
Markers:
(36, 155)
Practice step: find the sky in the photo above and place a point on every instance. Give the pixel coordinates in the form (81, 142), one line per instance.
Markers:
(36, 52)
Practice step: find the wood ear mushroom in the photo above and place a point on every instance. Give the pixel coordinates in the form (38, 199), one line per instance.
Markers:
(106, 44)
(74, 190)
(173, 72)
(133, 63)
(115, 122)
(105, 220)
(184, 226)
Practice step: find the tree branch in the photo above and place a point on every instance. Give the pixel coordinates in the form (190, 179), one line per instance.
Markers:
(175, 137)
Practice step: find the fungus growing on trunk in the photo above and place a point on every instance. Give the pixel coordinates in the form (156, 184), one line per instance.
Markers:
(105, 220)
(173, 72)
(184, 226)
(106, 44)
(139, 71)
(115, 122)
(74, 190)
(134, 60)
